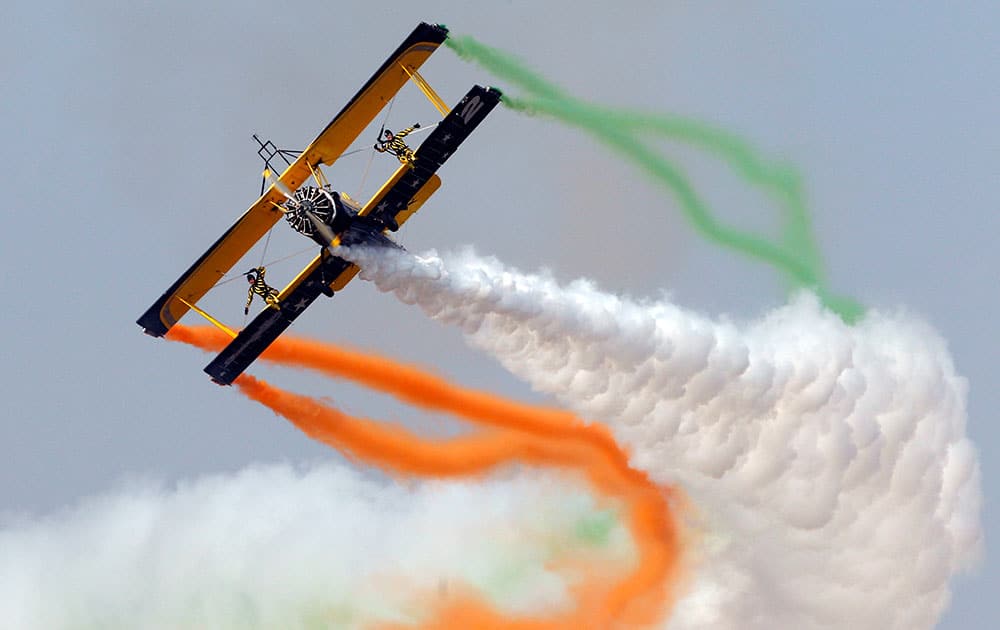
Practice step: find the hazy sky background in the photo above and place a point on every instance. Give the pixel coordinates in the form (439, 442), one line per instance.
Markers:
(127, 132)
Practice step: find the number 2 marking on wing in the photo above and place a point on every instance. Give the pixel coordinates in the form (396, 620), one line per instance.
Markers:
(470, 109)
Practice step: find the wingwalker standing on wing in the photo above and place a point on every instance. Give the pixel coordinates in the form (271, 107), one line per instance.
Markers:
(393, 143)
(258, 287)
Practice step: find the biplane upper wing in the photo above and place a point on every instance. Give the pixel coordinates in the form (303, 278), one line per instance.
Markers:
(399, 198)
(326, 148)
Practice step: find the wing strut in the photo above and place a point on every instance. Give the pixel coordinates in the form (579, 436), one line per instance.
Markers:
(226, 329)
(428, 91)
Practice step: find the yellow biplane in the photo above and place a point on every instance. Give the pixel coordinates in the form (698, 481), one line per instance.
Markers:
(303, 196)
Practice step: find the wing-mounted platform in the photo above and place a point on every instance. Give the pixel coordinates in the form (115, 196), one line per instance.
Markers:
(398, 199)
(342, 131)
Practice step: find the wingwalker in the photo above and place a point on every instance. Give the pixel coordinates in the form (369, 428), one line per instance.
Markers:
(328, 217)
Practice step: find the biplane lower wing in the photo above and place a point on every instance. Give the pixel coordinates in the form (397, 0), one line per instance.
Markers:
(345, 127)
(271, 322)
(398, 199)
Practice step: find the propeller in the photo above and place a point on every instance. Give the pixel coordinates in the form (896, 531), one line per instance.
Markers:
(280, 185)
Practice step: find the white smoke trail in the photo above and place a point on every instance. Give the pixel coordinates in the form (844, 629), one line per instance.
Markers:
(828, 462)
(273, 547)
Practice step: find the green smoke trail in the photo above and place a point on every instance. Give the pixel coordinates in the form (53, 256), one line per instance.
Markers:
(797, 255)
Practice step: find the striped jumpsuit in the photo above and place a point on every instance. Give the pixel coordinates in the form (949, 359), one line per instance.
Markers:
(397, 147)
(259, 287)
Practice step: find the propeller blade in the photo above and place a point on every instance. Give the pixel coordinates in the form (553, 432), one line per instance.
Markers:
(322, 228)
(280, 185)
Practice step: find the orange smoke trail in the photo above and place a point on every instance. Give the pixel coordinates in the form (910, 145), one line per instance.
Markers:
(533, 435)
(417, 387)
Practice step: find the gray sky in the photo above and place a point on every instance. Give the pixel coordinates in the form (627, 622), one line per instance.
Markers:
(129, 151)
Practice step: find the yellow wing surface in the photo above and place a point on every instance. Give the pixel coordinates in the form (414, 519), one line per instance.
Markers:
(331, 143)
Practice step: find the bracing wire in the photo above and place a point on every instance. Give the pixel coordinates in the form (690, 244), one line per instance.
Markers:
(364, 176)
(371, 156)
(225, 280)
(267, 242)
